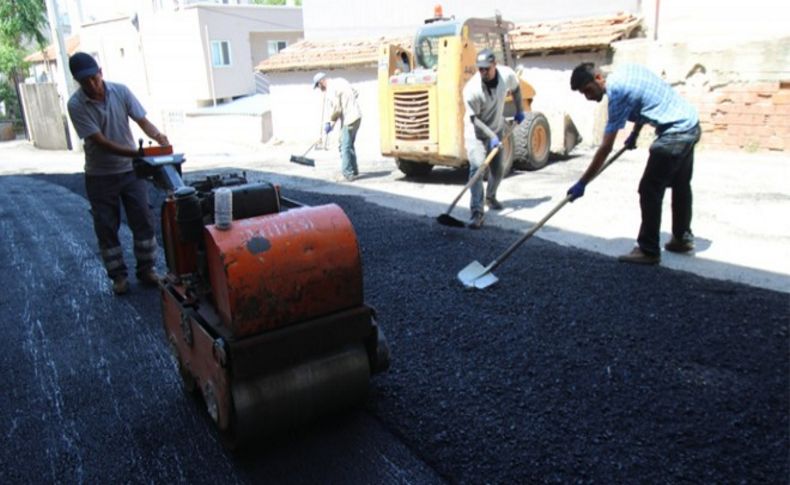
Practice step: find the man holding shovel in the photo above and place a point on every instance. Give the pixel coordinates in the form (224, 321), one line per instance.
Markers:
(637, 95)
(484, 100)
(342, 98)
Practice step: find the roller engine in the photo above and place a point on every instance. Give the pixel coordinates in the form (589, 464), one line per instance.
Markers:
(264, 313)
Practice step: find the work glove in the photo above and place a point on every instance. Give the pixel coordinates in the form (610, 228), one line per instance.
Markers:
(577, 190)
(630, 142)
(327, 127)
(519, 117)
(493, 142)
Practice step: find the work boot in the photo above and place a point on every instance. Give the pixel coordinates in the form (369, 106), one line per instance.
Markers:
(120, 285)
(676, 245)
(148, 277)
(637, 256)
(476, 222)
(494, 204)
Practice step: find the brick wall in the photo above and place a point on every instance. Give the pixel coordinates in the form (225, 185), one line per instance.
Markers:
(743, 116)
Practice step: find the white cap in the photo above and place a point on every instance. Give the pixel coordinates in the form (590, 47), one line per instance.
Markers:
(317, 78)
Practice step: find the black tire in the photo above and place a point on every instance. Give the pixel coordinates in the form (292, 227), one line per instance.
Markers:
(413, 169)
(506, 157)
(532, 142)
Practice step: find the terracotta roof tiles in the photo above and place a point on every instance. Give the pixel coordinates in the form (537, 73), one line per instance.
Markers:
(48, 54)
(544, 37)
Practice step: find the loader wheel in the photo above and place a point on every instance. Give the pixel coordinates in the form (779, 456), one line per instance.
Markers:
(413, 169)
(532, 142)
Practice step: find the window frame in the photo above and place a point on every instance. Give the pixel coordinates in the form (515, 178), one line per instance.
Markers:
(224, 63)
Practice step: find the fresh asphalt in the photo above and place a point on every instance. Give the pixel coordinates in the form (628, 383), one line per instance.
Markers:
(573, 368)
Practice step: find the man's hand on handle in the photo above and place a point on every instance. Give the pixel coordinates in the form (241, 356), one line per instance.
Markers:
(577, 190)
(494, 142)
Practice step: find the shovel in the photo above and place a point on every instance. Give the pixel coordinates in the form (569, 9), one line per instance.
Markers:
(475, 275)
(303, 160)
(445, 218)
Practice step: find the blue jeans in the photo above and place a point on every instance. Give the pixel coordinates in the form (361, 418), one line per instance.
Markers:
(670, 164)
(477, 154)
(348, 154)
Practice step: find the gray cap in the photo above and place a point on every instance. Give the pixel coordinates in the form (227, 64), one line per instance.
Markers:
(485, 58)
(317, 78)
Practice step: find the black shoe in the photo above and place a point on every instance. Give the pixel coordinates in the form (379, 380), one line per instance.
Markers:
(676, 245)
(637, 256)
(120, 285)
(494, 204)
(476, 222)
(148, 277)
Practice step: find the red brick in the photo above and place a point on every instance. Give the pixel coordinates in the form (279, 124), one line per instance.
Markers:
(776, 143)
(764, 88)
(781, 97)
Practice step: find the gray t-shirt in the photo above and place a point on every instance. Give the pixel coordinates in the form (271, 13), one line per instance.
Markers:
(488, 106)
(111, 119)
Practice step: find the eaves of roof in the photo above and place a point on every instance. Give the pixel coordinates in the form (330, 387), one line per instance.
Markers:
(48, 54)
(526, 39)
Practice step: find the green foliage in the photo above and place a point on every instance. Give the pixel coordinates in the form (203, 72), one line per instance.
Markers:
(22, 20)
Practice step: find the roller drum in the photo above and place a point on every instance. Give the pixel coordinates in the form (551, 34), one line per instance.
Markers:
(293, 396)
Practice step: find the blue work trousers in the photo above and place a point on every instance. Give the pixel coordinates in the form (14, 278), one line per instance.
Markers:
(106, 193)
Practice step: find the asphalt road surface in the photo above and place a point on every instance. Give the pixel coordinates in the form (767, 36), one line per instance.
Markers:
(573, 368)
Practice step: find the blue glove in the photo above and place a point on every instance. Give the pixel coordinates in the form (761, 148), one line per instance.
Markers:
(630, 142)
(577, 190)
(519, 117)
(327, 127)
(493, 142)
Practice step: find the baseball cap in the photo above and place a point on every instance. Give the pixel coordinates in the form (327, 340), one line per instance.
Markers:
(485, 58)
(318, 77)
(82, 66)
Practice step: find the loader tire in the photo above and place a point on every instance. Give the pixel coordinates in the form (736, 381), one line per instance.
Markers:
(532, 142)
(413, 169)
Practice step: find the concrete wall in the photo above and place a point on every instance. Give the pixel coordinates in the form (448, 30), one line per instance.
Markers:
(714, 23)
(742, 92)
(39, 102)
(328, 20)
(550, 76)
(259, 43)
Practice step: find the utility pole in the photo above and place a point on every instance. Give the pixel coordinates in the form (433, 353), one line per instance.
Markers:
(63, 79)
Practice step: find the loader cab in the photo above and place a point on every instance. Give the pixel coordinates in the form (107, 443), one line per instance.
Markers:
(483, 33)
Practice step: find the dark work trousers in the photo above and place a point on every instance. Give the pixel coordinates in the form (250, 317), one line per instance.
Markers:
(106, 193)
(670, 165)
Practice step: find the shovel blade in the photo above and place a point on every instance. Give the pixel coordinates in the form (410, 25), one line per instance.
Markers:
(475, 275)
(450, 221)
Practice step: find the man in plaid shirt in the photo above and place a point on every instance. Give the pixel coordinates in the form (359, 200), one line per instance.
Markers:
(638, 95)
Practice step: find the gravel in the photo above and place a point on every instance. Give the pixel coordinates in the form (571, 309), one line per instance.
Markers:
(574, 367)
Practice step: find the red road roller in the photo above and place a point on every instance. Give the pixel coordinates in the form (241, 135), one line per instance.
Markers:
(262, 303)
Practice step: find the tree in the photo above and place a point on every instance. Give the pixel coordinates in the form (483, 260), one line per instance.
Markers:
(21, 23)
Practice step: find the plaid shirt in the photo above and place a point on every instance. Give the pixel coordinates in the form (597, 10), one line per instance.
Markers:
(637, 95)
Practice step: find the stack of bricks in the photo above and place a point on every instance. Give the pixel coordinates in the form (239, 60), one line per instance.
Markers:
(743, 116)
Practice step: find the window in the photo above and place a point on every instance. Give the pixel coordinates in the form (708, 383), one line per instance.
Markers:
(276, 46)
(220, 53)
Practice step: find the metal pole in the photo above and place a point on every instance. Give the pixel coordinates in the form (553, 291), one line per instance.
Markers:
(210, 67)
(63, 79)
